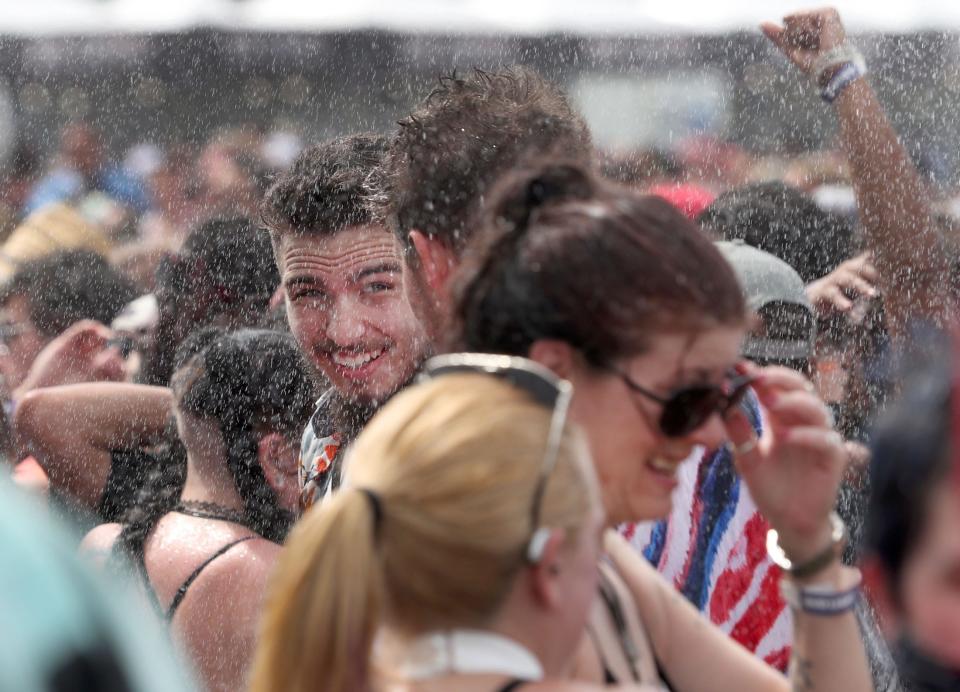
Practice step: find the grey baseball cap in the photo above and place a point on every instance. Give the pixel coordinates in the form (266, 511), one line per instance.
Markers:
(787, 328)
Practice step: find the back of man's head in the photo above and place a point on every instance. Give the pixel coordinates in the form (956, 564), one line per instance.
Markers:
(786, 329)
(325, 190)
(466, 134)
(783, 221)
(231, 257)
(224, 275)
(68, 286)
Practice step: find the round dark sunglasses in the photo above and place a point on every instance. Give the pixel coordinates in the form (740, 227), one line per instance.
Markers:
(686, 409)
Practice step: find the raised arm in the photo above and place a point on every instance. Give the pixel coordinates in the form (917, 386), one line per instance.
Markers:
(72, 430)
(893, 206)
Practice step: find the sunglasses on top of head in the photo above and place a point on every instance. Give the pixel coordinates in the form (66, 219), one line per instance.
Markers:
(544, 387)
(687, 408)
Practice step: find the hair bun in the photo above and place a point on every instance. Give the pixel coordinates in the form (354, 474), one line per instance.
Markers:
(548, 183)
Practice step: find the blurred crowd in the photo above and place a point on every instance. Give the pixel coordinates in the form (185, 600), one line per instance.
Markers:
(474, 405)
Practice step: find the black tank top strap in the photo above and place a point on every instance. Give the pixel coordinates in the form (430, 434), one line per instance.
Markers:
(182, 591)
(148, 587)
(513, 685)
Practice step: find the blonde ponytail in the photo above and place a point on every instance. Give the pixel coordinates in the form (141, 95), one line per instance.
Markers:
(325, 602)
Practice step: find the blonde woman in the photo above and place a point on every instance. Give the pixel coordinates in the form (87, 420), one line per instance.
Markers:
(464, 543)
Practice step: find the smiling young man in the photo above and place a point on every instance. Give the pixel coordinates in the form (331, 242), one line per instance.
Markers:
(341, 274)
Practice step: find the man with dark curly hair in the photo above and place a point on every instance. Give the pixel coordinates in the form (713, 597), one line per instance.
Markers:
(342, 280)
(341, 268)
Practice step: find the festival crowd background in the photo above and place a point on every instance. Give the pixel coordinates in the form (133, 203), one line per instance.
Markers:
(177, 397)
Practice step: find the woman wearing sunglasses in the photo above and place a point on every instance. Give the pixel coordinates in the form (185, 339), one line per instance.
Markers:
(460, 552)
(631, 303)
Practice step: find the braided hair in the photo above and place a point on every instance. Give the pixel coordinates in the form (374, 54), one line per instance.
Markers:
(244, 380)
(167, 471)
(248, 381)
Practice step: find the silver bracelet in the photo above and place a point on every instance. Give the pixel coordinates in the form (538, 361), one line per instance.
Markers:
(829, 554)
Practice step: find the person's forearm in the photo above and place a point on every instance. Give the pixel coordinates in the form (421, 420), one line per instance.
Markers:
(72, 430)
(894, 211)
(827, 651)
(101, 415)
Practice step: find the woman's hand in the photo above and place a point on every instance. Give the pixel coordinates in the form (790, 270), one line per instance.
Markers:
(794, 469)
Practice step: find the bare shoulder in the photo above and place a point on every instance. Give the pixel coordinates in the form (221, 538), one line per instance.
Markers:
(239, 578)
(97, 545)
(242, 573)
(217, 620)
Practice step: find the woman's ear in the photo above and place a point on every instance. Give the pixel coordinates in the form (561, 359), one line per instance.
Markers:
(545, 573)
(278, 458)
(556, 355)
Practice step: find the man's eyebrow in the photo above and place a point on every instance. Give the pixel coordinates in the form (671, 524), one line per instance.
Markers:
(384, 268)
(304, 280)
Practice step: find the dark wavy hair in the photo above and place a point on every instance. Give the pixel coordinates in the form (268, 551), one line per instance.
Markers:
(223, 272)
(562, 254)
(248, 381)
(783, 221)
(471, 130)
(67, 286)
(324, 191)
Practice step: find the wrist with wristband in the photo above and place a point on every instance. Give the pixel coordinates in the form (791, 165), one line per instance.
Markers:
(815, 599)
(825, 557)
(821, 599)
(835, 69)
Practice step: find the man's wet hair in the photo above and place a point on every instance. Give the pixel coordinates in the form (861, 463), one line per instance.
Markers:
(783, 221)
(68, 286)
(465, 135)
(325, 189)
(225, 268)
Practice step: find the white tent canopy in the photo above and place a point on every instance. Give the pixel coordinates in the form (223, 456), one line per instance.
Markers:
(73, 17)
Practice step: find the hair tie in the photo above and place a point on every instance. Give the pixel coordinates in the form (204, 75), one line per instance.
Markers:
(376, 506)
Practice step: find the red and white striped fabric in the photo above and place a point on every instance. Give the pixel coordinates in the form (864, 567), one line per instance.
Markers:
(712, 547)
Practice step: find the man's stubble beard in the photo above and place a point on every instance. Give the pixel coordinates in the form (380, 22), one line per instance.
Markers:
(349, 415)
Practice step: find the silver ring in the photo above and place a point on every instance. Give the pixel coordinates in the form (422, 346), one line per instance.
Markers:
(746, 447)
